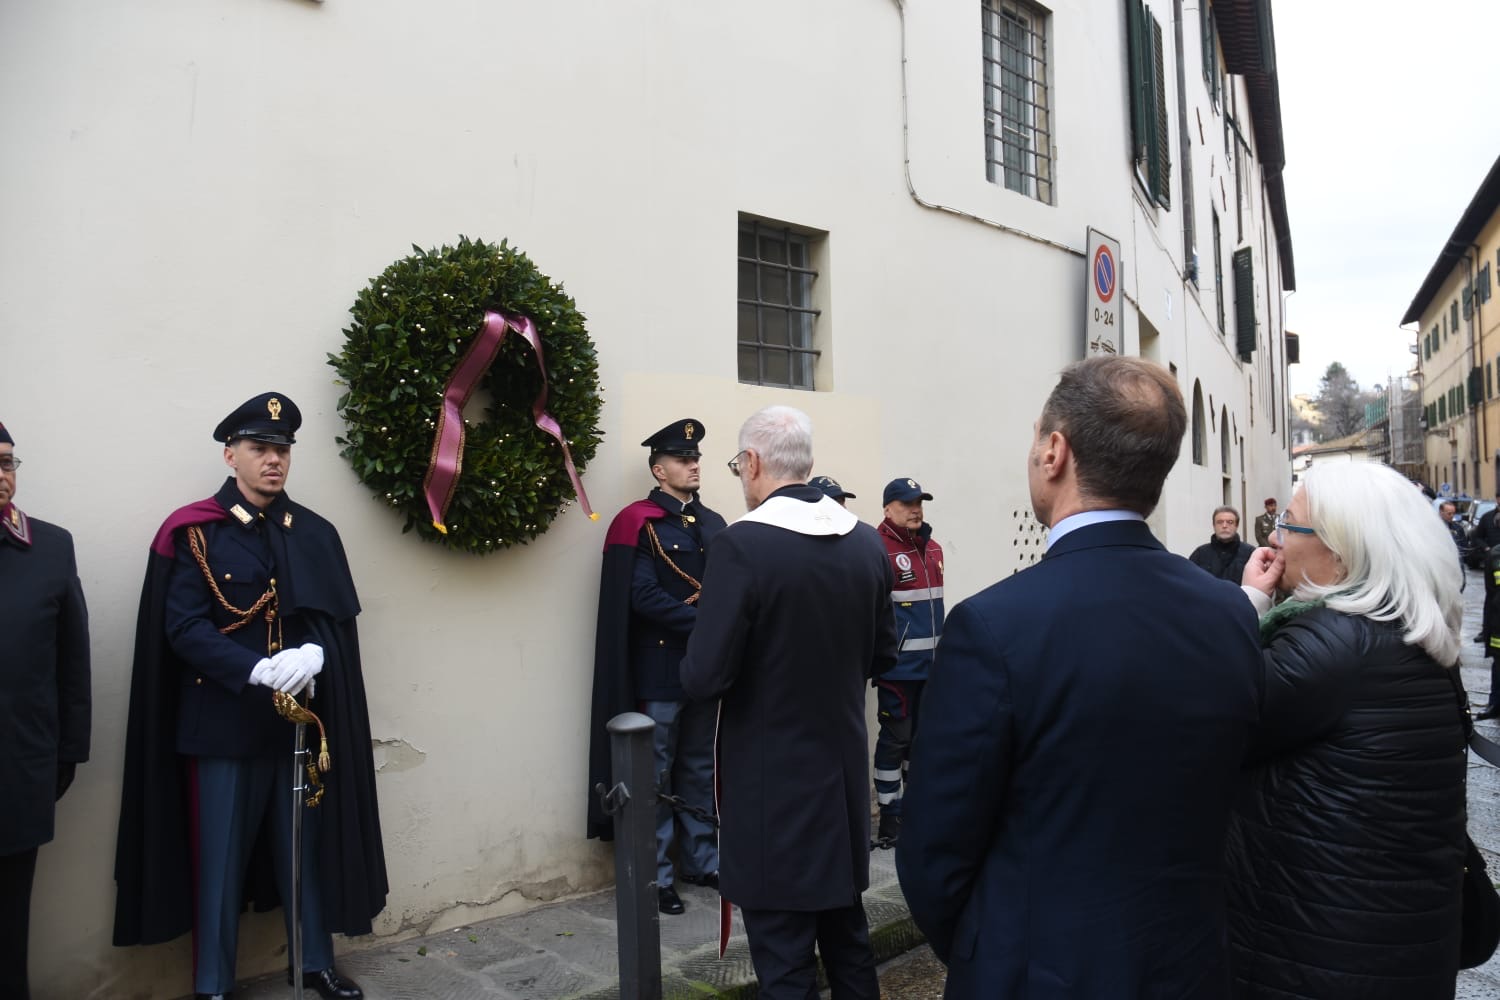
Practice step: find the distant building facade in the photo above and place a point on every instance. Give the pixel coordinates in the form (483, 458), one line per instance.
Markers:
(1458, 349)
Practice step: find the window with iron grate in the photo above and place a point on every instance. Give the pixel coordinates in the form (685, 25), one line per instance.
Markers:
(777, 320)
(1017, 106)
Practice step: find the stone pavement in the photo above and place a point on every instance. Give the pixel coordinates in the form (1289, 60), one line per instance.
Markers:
(1482, 983)
(567, 949)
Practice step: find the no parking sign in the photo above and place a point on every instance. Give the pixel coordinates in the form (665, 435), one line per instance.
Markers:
(1102, 332)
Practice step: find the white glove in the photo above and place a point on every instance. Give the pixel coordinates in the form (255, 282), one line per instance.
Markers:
(264, 672)
(303, 664)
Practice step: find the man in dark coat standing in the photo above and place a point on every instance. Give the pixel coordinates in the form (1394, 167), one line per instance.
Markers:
(247, 594)
(796, 618)
(44, 703)
(1224, 555)
(1082, 733)
(649, 587)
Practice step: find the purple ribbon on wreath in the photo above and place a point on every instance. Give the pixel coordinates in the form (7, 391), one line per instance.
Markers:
(448, 443)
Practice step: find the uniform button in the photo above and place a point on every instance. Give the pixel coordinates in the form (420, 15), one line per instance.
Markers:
(674, 546)
(229, 576)
(661, 642)
(199, 681)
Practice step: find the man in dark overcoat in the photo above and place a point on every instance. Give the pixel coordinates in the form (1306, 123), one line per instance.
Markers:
(796, 618)
(1082, 733)
(1224, 555)
(654, 555)
(44, 703)
(247, 594)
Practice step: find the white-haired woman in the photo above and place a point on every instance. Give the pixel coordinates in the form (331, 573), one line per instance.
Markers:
(1347, 844)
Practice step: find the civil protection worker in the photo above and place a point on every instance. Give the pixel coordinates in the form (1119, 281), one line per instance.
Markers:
(917, 563)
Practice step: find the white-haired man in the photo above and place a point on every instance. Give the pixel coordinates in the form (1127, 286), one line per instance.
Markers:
(795, 618)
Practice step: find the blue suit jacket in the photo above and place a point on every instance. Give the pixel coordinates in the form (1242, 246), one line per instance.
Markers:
(1070, 786)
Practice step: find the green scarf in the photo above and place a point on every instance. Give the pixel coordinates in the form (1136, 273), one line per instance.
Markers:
(1273, 620)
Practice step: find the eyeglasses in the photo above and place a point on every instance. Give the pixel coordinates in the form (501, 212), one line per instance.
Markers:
(734, 463)
(1282, 526)
(9, 463)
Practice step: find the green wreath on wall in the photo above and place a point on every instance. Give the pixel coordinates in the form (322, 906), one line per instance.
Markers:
(427, 332)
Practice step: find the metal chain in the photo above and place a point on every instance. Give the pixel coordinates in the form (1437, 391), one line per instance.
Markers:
(676, 802)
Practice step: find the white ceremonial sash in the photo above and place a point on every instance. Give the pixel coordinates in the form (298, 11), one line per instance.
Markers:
(825, 517)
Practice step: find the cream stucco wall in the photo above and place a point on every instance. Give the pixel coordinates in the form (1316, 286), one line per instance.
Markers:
(193, 192)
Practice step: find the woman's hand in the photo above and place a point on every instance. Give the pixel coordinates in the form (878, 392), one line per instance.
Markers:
(1263, 571)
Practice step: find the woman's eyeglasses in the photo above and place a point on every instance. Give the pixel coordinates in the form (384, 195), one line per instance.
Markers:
(1283, 526)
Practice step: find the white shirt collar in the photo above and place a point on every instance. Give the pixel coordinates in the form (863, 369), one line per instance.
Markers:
(1085, 518)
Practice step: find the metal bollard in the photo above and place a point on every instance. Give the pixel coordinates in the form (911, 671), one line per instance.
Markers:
(632, 801)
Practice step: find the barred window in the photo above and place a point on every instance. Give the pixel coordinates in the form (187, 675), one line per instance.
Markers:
(1017, 121)
(777, 321)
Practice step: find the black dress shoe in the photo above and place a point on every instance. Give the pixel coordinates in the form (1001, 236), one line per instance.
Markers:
(330, 985)
(711, 880)
(668, 901)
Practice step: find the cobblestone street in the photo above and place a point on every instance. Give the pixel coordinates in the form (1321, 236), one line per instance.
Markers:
(1482, 983)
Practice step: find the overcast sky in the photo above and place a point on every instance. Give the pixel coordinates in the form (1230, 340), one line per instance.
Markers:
(1391, 116)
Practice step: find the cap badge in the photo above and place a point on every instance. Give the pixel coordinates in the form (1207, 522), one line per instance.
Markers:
(273, 406)
(688, 430)
(911, 484)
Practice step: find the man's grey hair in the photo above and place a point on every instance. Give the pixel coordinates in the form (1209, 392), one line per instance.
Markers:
(782, 437)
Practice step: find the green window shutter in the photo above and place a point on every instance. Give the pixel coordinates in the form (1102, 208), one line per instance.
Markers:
(1149, 133)
(1442, 409)
(1135, 23)
(1453, 317)
(1489, 382)
(1244, 303)
(1468, 301)
(1473, 394)
(1161, 181)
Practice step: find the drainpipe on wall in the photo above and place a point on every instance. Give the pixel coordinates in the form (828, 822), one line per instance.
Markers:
(1471, 257)
(1476, 334)
(1185, 154)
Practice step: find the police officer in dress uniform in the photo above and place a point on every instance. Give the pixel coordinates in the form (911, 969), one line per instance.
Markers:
(44, 703)
(654, 557)
(832, 489)
(254, 592)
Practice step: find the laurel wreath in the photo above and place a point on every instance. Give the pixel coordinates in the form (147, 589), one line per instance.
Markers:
(411, 326)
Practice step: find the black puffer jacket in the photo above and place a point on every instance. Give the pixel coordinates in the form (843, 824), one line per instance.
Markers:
(1347, 844)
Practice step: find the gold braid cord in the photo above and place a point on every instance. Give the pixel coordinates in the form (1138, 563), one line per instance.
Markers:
(266, 603)
(656, 543)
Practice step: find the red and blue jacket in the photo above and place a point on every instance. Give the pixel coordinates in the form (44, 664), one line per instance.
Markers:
(917, 564)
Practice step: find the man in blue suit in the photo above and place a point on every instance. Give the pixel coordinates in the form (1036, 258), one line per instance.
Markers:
(1082, 731)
